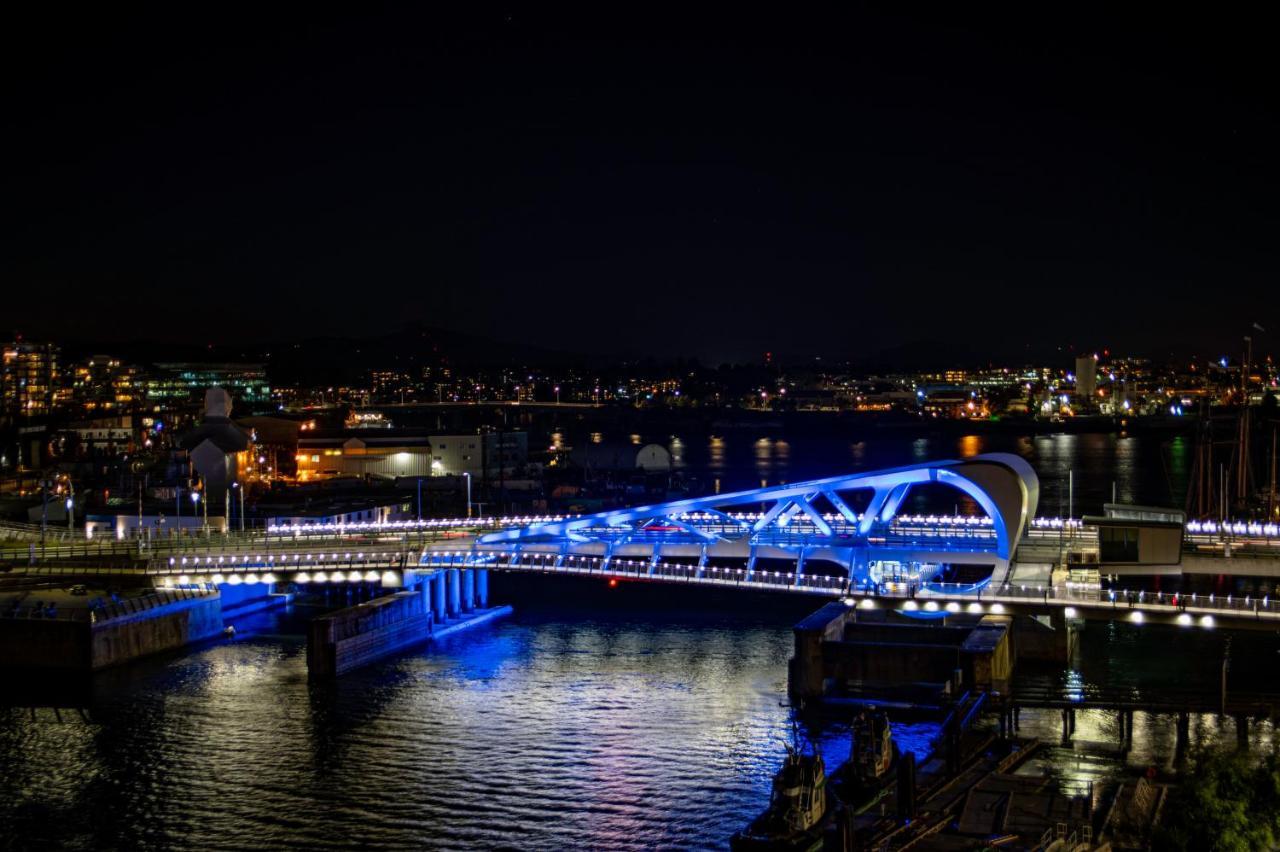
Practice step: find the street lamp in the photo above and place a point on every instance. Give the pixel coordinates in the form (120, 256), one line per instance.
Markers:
(468, 478)
(557, 394)
(195, 505)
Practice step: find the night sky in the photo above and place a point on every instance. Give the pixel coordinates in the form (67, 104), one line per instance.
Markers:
(637, 181)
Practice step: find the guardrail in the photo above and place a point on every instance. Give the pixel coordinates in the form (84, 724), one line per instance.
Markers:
(936, 597)
(259, 562)
(639, 569)
(142, 603)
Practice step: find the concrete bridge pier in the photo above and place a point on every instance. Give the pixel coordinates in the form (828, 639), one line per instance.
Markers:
(1124, 720)
(1183, 734)
(482, 588)
(468, 590)
(438, 602)
(453, 586)
(1008, 723)
(1068, 723)
(1242, 732)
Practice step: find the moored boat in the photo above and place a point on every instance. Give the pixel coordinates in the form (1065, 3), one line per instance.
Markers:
(797, 808)
(862, 779)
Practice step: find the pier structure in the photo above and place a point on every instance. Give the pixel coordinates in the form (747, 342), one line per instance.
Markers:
(432, 604)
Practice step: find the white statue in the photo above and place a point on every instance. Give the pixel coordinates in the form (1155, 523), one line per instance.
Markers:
(217, 403)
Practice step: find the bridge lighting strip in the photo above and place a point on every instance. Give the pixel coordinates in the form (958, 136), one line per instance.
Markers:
(1238, 527)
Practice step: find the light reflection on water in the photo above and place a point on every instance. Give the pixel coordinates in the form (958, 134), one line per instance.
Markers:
(1138, 469)
(552, 730)
(569, 726)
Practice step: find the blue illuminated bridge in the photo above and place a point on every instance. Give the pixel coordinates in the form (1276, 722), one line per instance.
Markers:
(801, 538)
(811, 526)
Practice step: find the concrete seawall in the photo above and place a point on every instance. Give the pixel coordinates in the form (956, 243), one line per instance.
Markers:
(349, 638)
(118, 633)
(341, 641)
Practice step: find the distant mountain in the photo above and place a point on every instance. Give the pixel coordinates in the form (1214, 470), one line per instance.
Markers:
(342, 360)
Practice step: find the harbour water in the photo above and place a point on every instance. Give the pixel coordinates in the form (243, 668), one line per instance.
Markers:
(1087, 468)
(595, 718)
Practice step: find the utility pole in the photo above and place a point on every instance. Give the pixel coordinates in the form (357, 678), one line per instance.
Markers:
(1242, 473)
(1271, 504)
(1226, 667)
(1071, 493)
(502, 466)
(71, 505)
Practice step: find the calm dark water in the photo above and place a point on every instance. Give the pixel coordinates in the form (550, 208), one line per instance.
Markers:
(1150, 468)
(601, 720)
(593, 719)
(565, 727)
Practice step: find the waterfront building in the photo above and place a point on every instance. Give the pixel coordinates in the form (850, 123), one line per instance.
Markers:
(952, 403)
(484, 454)
(1086, 379)
(102, 382)
(187, 382)
(29, 378)
(329, 453)
(103, 436)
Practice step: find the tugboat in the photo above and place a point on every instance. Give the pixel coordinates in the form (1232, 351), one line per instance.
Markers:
(860, 782)
(793, 822)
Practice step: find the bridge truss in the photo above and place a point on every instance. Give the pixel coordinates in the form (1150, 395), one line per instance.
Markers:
(806, 521)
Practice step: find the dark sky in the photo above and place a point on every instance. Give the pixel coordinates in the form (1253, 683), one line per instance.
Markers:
(640, 181)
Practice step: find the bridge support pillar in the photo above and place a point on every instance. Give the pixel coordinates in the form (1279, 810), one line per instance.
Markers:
(468, 589)
(482, 588)
(1184, 733)
(435, 582)
(1242, 732)
(751, 564)
(453, 584)
(702, 562)
(800, 564)
(438, 602)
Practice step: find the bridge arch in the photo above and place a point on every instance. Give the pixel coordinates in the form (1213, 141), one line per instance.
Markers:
(790, 524)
